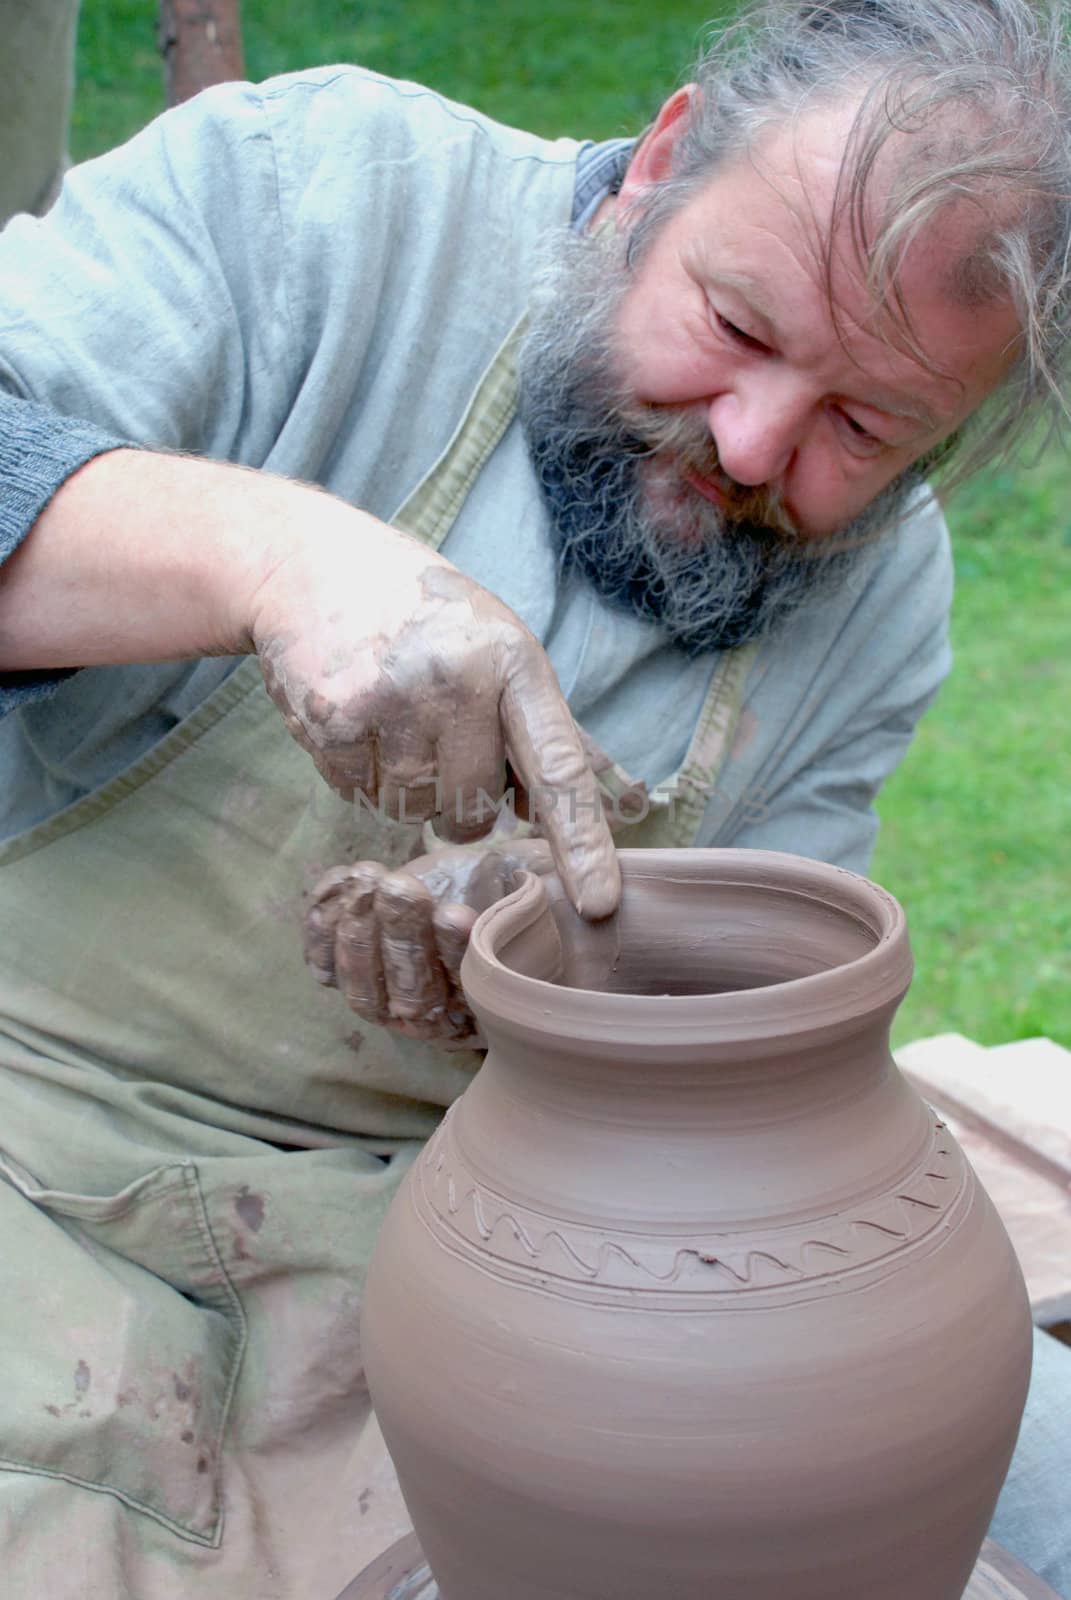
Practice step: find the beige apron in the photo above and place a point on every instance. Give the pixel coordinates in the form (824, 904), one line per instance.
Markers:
(198, 1146)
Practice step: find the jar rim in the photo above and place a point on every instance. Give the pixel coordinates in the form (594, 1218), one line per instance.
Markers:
(834, 996)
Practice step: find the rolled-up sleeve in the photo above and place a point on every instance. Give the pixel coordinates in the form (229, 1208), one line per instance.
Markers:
(39, 450)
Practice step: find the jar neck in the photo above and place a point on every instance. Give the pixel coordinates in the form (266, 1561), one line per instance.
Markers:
(712, 1084)
(800, 1129)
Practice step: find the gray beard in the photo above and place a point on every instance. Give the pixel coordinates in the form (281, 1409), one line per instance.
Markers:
(610, 472)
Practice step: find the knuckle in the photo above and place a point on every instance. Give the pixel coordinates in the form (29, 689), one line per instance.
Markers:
(328, 887)
(361, 890)
(403, 903)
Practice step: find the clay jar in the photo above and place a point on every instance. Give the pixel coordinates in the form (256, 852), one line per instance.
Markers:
(691, 1296)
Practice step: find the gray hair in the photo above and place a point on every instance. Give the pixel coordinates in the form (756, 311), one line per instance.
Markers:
(983, 88)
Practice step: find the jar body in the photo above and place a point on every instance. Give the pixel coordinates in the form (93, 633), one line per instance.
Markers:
(693, 1313)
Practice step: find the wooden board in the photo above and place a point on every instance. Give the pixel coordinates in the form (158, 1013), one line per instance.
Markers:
(998, 1576)
(401, 1574)
(1009, 1107)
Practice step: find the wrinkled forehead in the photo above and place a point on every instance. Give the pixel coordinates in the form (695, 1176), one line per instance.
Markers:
(878, 207)
(878, 185)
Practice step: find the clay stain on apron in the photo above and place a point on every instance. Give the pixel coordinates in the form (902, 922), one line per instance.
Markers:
(82, 1379)
(250, 1209)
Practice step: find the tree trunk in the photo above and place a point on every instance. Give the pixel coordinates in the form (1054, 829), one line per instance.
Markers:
(201, 43)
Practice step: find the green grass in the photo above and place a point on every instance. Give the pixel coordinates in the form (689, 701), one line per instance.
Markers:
(119, 74)
(975, 836)
(592, 70)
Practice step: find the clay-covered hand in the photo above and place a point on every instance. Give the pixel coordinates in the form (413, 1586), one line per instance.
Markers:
(410, 684)
(392, 942)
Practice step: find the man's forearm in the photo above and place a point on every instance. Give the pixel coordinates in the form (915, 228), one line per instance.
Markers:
(146, 557)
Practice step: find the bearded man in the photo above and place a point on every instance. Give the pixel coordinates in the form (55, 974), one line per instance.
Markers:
(624, 450)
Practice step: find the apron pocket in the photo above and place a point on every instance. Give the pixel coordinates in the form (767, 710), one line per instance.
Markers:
(121, 1336)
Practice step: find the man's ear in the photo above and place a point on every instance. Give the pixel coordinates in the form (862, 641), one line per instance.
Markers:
(652, 158)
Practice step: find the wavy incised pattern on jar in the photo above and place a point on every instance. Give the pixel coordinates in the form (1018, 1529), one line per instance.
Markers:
(516, 1242)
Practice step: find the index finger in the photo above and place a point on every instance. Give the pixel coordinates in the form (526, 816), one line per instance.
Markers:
(546, 749)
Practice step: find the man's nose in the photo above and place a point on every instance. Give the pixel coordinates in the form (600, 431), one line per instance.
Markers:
(756, 430)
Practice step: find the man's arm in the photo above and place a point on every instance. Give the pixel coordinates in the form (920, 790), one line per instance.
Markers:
(826, 811)
(147, 557)
(402, 678)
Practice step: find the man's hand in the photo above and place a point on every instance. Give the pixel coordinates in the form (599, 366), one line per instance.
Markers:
(410, 684)
(392, 942)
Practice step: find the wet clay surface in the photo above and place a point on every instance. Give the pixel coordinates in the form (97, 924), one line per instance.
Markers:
(691, 1294)
(663, 943)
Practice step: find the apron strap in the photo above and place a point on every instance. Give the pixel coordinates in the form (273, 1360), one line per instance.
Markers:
(430, 511)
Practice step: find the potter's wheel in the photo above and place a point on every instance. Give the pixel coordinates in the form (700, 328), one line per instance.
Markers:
(403, 1574)
(400, 1574)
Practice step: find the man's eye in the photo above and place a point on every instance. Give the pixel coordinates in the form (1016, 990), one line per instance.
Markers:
(860, 434)
(735, 333)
